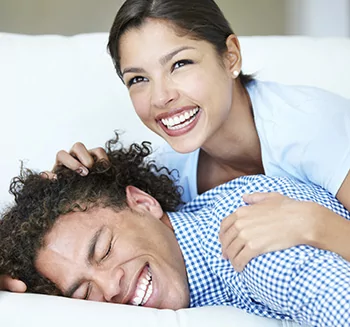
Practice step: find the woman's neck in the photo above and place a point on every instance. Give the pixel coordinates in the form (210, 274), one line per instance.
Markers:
(237, 139)
(235, 148)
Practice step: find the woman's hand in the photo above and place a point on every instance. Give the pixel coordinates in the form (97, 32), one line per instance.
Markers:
(9, 284)
(270, 222)
(79, 158)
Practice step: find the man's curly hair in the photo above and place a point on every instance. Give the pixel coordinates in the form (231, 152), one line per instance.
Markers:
(39, 201)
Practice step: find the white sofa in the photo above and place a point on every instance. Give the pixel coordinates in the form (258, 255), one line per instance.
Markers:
(57, 90)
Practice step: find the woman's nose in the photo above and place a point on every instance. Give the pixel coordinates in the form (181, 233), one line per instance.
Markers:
(163, 93)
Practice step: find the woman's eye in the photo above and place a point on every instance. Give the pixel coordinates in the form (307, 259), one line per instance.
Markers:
(181, 63)
(136, 80)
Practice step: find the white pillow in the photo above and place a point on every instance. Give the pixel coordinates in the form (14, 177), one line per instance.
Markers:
(33, 310)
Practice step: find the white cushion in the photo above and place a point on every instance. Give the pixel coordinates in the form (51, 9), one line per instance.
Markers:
(33, 310)
(301, 60)
(55, 91)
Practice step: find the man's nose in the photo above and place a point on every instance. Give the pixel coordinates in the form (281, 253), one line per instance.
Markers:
(163, 92)
(110, 282)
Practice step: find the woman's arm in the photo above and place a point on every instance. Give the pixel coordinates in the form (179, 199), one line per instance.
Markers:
(343, 194)
(9, 284)
(333, 231)
(274, 222)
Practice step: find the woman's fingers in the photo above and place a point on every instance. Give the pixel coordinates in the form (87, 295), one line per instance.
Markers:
(257, 197)
(79, 158)
(14, 285)
(63, 158)
(99, 153)
(228, 233)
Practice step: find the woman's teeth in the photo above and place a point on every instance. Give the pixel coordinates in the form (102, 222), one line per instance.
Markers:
(182, 120)
(144, 289)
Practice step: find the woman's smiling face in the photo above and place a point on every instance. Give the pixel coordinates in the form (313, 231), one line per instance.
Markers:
(180, 87)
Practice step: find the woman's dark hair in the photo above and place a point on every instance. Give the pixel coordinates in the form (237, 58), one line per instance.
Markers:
(200, 19)
(39, 201)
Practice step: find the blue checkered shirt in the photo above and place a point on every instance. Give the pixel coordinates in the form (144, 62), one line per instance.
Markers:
(302, 283)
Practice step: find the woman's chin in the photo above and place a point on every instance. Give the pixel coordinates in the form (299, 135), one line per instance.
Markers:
(184, 147)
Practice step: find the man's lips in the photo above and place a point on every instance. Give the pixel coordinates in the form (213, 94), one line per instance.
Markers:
(143, 289)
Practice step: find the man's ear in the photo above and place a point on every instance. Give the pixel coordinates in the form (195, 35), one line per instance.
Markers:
(233, 55)
(141, 201)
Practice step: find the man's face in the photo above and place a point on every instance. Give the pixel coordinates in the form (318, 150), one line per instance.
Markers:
(129, 257)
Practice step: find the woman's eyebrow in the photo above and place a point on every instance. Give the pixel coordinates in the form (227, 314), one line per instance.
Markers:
(133, 70)
(163, 60)
(166, 58)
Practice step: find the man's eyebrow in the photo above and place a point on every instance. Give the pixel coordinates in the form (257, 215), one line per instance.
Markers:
(90, 255)
(163, 60)
(71, 290)
(92, 246)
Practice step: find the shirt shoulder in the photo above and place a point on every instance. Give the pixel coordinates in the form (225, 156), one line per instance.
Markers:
(226, 198)
(304, 132)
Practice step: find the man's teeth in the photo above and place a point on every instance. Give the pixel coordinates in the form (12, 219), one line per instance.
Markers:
(144, 289)
(148, 293)
(182, 120)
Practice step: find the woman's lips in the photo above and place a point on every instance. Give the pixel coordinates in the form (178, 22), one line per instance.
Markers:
(180, 123)
(175, 121)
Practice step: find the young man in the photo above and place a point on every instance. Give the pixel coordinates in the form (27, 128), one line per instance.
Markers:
(115, 236)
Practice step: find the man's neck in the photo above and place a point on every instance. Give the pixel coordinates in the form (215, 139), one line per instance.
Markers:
(166, 221)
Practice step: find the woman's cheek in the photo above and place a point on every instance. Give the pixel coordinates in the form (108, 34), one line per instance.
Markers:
(141, 105)
(192, 85)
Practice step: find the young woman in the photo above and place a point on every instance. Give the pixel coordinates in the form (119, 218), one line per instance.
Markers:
(182, 63)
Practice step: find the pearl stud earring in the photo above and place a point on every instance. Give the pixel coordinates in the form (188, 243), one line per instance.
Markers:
(235, 73)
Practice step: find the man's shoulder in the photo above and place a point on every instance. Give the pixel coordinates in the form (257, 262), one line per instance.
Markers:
(228, 196)
(231, 190)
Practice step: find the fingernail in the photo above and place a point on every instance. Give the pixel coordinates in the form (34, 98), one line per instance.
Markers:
(44, 174)
(82, 171)
(48, 175)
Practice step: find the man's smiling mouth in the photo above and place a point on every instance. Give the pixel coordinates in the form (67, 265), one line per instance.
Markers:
(144, 288)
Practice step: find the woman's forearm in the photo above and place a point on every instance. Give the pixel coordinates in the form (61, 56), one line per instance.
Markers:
(331, 231)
